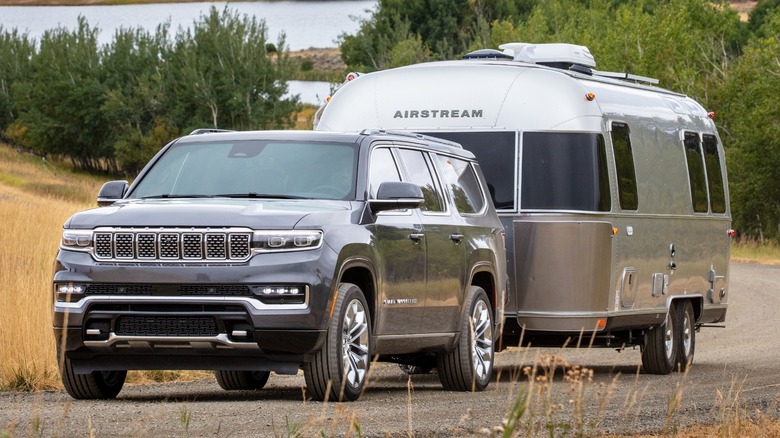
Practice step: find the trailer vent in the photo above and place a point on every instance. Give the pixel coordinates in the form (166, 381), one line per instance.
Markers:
(488, 54)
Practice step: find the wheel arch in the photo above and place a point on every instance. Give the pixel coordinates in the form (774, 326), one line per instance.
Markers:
(484, 276)
(360, 272)
(697, 301)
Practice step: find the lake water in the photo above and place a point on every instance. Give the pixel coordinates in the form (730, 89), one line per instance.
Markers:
(306, 24)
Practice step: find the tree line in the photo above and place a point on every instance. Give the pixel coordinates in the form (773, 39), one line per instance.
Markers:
(700, 48)
(111, 107)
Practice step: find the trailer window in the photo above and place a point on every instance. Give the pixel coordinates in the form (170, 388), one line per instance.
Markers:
(564, 171)
(496, 154)
(463, 183)
(714, 175)
(696, 171)
(624, 165)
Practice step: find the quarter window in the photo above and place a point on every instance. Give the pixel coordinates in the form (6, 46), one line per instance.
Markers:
(564, 171)
(459, 176)
(714, 175)
(624, 165)
(696, 171)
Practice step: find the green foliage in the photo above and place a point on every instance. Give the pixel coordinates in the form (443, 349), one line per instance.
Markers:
(15, 64)
(60, 101)
(443, 29)
(226, 78)
(111, 108)
(750, 114)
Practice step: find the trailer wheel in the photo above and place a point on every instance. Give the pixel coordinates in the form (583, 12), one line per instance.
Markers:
(470, 365)
(231, 380)
(97, 385)
(659, 355)
(687, 335)
(339, 371)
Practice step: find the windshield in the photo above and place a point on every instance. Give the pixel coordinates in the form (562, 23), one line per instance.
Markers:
(253, 169)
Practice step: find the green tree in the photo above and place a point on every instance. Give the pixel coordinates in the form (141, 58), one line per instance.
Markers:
(137, 100)
(59, 104)
(225, 78)
(445, 29)
(16, 53)
(750, 124)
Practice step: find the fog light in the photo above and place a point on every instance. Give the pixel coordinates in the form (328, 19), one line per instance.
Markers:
(69, 292)
(280, 294)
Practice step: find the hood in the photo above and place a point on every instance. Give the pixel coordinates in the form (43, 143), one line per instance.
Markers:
(254, 213)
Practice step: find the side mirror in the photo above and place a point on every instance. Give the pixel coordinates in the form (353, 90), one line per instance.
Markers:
(394, 195)
(111, 192)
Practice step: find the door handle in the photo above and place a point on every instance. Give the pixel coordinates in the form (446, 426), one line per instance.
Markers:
(456, 237)
(416, 237)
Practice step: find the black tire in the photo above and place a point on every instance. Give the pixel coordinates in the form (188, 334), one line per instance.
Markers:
(231, 380)
(469, 366)
(339, 371)
(97, 385)
(686, 329)
(659, 355)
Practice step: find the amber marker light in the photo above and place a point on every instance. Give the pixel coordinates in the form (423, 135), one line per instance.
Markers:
(590, 96)
(614, 230)
(601, 324)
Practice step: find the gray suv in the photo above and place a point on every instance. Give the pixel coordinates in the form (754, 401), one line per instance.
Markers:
(252, 252)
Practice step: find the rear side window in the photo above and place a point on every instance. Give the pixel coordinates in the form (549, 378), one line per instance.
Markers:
(496, 154)
(564, 171)
(459, 176)
(624, 164)
(714, 175)
(695, 171)
(420, 173)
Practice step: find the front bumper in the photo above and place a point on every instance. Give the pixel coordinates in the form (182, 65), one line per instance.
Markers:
(163, 329)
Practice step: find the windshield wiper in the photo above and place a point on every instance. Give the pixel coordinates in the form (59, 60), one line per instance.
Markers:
(254, 195)
(167, 196)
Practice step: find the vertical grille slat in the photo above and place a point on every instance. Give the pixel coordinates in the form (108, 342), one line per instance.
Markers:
(123, 243)
(169, 246)
(239, 246)
(215, 246)
(233, 245)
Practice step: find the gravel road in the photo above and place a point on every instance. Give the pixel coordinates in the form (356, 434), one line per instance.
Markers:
(735, 372)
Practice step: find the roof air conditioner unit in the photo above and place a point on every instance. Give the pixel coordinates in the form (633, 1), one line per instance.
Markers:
(549, 53)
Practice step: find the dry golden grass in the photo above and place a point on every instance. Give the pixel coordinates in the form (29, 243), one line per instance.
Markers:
(753, 252)
(35, 200)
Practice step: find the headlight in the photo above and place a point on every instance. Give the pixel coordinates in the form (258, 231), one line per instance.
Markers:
(76, 240)
(286, 240)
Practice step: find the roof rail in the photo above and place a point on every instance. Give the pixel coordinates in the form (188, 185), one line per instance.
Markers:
(209, 131)
(628, 77)
(374, 131)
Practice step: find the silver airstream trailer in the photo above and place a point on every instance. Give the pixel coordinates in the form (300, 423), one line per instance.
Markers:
(612, 191)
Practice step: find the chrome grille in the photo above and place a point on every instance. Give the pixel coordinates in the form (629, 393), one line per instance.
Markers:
(165, 244)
